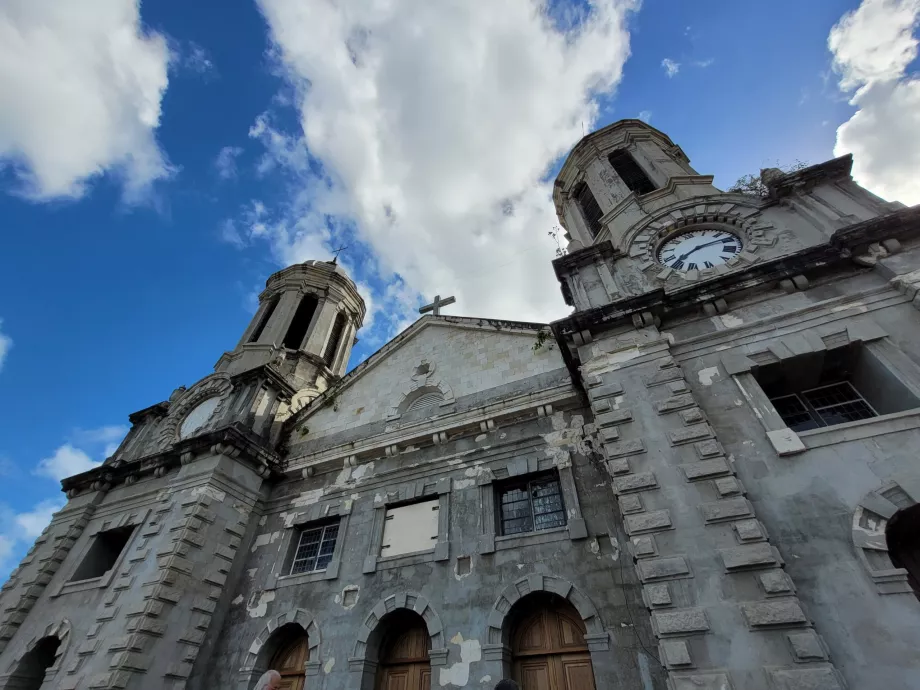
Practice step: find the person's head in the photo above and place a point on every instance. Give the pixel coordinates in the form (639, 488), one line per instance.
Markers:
(270, 680)
(507, 684)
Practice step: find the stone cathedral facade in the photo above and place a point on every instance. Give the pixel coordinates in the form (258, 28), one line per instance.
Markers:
(706, 477)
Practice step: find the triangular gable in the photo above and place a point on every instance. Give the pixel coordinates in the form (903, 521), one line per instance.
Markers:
(443, 355)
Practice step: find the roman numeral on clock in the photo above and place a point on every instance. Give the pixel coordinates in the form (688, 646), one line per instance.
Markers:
(707, 264)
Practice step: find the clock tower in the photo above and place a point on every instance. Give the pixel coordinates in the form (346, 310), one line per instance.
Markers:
(699, 318)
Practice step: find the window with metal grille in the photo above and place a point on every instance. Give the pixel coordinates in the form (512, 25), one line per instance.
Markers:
(314, 549)
(531, 504)
(590, 209)
(841, 384)
(630, 172)
(332, 346)
(836, 403)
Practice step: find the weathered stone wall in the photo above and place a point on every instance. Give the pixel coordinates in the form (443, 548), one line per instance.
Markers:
(825, 509)
(456, 588)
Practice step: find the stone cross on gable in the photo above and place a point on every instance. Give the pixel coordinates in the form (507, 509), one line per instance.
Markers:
(435, 307)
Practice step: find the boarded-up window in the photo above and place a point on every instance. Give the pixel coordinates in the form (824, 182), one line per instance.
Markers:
(589, 207)
(630, 172)
(335, 337)
(410, 528)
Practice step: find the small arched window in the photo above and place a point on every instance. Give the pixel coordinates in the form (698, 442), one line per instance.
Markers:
(903, 538)
(426, 399)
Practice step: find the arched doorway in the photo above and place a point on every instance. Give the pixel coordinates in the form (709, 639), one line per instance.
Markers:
(290, 660)
(548, 645)
(403, 657)
(902, 535)
(30, 671)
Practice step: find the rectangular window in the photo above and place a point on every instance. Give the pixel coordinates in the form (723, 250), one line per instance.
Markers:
(315, 546)
(840, 385)
(296, 332)
(335, 337)
(531, 504)
(410, 528)
(590, 209)
(263, 322)
(630, 172)
(103, 554)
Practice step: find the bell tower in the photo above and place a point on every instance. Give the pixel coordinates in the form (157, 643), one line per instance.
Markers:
(615, 177)
(304, 327)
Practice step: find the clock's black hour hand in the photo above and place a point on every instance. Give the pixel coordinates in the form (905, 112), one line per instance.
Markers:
(698, 247)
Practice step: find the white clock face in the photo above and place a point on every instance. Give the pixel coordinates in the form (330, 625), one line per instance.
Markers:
(198, 417)
(699, 249)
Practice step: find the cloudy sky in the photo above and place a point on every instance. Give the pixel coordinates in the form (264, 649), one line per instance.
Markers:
(158, 162)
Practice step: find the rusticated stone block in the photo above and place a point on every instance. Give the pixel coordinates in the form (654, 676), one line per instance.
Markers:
(749, 530)
(648, 522)
(705, 469)
(631, 447)
(707, 681)
(662, 568)
(776, 613)
(692, 416)
(656, 595)
(618, 466)
(631, 503)
(678, 387)
(610, 433)
(643, 547)
(613, 418)
(679, 621)
(638, 481)
(806, 646)
(604, 391)
(664, 376)
(776, 582)
(729, 509)
(675, 653)
(708, 449)
(750, 556)
(674, 403)
(678, 437)
(728, 486)
(824, 678)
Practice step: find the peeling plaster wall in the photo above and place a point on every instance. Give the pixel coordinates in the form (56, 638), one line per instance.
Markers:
(463, 588)
(807, 500)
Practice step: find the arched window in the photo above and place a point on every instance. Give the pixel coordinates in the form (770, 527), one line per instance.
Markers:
(548, 645)
(30, 671)
(903, 537)
(403, 657)
(426, 396)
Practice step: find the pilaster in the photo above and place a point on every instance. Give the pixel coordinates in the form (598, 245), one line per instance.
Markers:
(712, 581)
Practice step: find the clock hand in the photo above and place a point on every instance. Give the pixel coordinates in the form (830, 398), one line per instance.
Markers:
(707, 244)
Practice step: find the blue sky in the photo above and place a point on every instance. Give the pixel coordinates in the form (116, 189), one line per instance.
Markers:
(148, 186)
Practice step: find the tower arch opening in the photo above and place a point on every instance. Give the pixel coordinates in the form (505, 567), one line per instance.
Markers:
(902, 535)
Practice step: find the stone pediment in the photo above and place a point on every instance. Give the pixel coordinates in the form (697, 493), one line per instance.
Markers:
(426, 369)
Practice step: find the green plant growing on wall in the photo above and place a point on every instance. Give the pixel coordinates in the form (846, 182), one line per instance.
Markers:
(542, 336)
(753, 185)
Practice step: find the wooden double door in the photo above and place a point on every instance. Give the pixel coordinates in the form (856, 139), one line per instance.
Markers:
(290, 662)
(404, 662)
(549, 650)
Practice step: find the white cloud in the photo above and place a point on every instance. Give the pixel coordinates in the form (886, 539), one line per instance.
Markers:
(77, 454)
(197, 59)
(65, 462)
(226, 161)
(645, 116)
(872, 47)
(34, 522)
(671, 68)
(436, 125)
(81, 86)
(5, 344)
